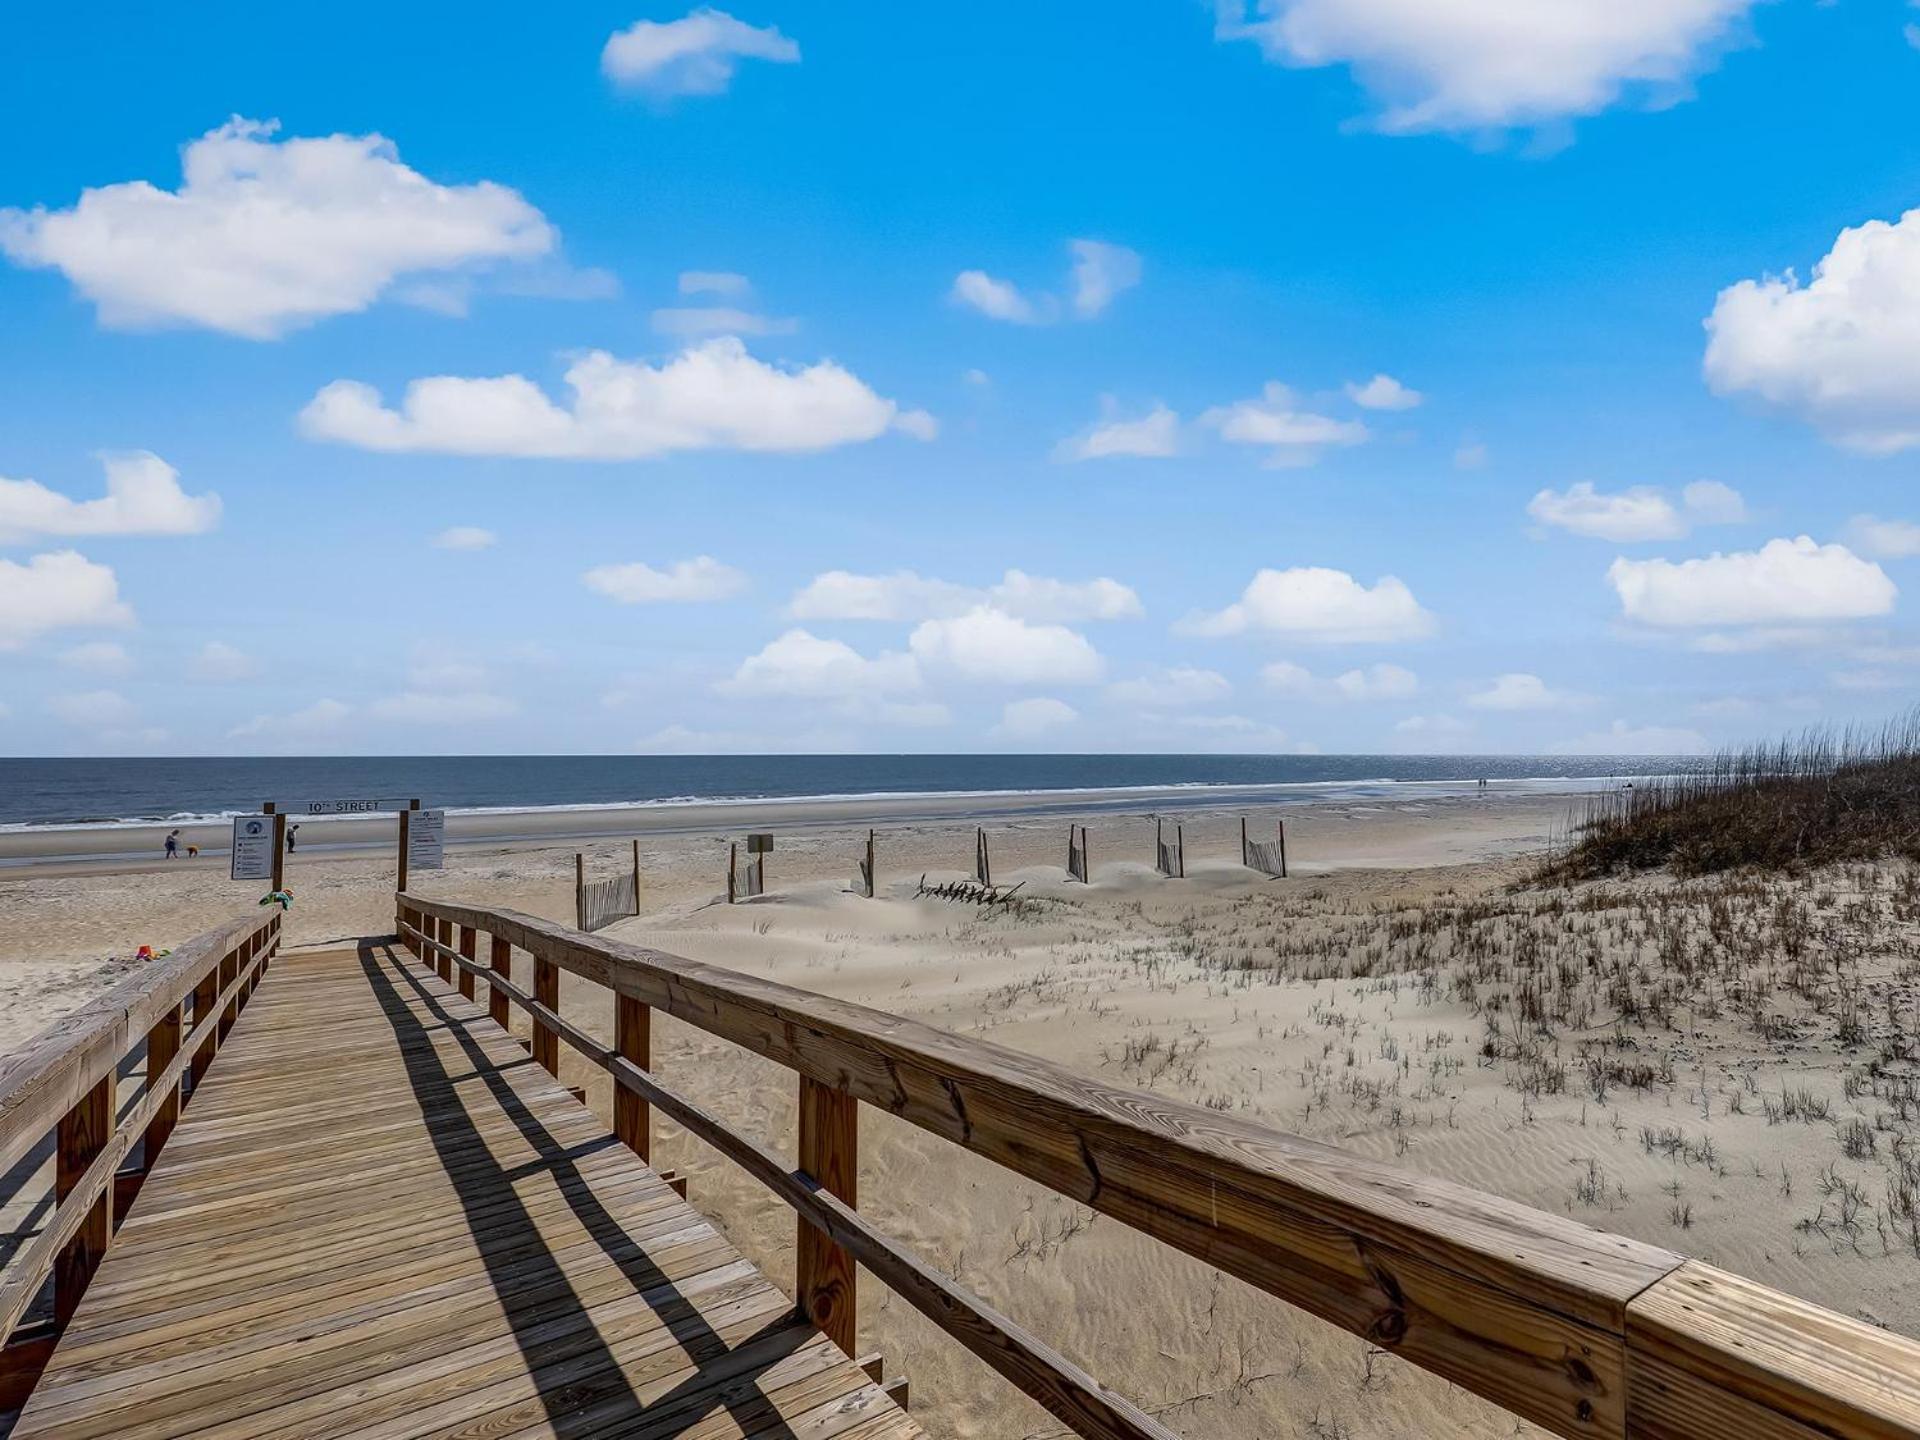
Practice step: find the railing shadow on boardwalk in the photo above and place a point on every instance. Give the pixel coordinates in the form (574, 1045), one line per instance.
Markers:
(530, 1284)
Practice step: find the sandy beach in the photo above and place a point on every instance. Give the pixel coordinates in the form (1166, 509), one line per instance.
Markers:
(1635, 1055)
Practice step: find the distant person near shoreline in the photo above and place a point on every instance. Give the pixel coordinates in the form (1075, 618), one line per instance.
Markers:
(173, 845)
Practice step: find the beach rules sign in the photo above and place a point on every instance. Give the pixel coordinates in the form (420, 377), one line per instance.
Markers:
(252, 848)
(426, 840)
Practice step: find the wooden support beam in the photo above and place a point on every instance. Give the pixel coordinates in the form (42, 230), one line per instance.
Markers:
(469, 938)
(22, 1359)
(633, 1038)
(675, 1182)
(546, 989)
(82, 1134)
(163, 1043)
(445, 936)
(824, 1280)
(229, 971)
(500, 961)
(203, 997)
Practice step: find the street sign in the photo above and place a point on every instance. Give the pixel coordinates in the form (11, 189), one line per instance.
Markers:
(252, 848)
(759, 844)
(426, 840)
(339, 807)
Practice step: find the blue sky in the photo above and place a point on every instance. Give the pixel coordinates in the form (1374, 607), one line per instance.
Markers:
(1371, 375)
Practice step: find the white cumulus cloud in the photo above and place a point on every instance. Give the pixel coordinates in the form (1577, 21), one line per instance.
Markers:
(62, 590)
(992, 647)
(322, 719)
(701, 578)
(1520, 691)
(143, 498)
(1176, 688)
(1311, 602)
(1840, 351)
(711, 396)
(263, 236)
(1383, 392)
(1153, 436)
(694, 55)
(1276, 422)
(1488, 64)
(1784, 582)
(1889, 539)
(102, 657)
(1099, 271)
(1367, 682)
(1642, 512)
(801, 665)
(904, 595)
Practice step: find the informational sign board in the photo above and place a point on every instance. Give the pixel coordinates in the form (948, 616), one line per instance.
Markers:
(759, 844)
(426, 840)
(252, 847)
(299, 808)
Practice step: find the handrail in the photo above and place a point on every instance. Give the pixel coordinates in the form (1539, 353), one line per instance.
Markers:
(1580, 1331)
(63, 1081)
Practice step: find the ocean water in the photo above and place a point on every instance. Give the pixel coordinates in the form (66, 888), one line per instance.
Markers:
(106, 791)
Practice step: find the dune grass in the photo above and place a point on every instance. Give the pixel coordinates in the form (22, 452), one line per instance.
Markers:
(1818, 798)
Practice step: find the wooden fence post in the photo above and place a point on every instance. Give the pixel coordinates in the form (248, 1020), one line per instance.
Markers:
(163, 1043)
(636, 877)
(1243, 840)
(830, 1153)
(443, 932)
(83, 1133)
(204, 994)
(579, 891)
(633, 1038)
(229, 967)
(468, 938)
(1283, 849)
(546, 1040)
(1180, 839)
(733, 862)
(500, 961)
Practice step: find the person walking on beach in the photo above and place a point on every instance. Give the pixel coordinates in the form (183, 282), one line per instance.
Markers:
(173, 845)
(290, 830)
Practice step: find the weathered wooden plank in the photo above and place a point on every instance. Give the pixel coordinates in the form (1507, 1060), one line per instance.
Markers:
(84, 1132)
(500, 961)
(632, 1037)
(825, 1279)
(1715, 1356)
(469, 937)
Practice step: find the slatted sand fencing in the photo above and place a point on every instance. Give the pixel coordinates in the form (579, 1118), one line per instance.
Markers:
(168, 1018)
(1267, 856)
(865, 863)
(1170, 857)
(598, 903)
(1077, 866)
(1581, 1332)
(982, 860)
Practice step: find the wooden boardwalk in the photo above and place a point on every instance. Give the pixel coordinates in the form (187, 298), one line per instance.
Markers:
(378, 1217)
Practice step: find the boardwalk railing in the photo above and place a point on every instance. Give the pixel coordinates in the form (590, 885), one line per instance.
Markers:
(1582, 1332)
(61, 1085)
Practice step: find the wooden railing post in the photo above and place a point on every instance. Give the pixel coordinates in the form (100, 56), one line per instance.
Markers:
(500, 961)
(204, 994)
(546, 1040)
(83, 1133)
(829, 1152)
(443, 932)
(469, 937)
(163, 1043)
(229, 969)
(633, 1038)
